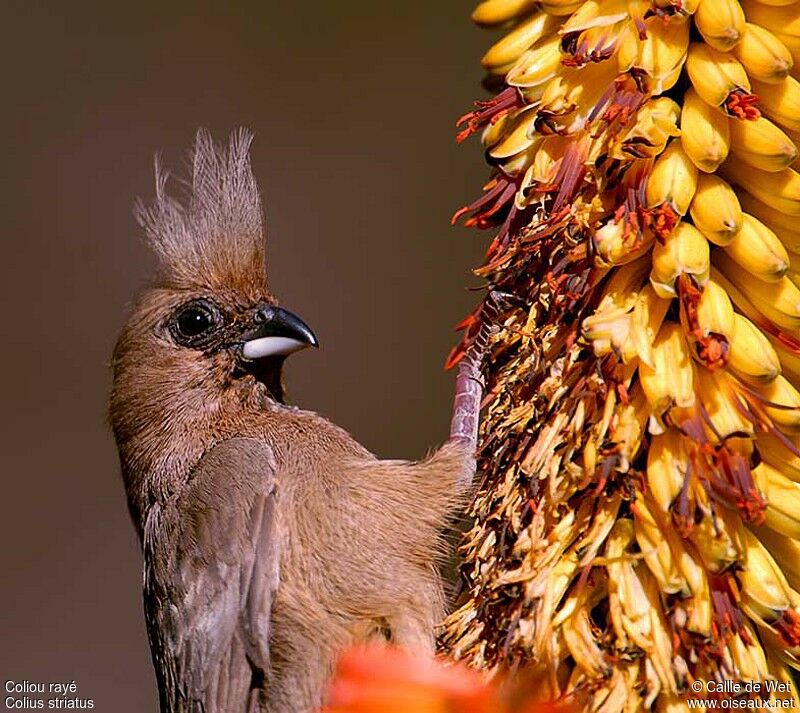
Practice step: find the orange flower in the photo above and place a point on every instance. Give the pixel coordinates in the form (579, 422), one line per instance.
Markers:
(381, 679)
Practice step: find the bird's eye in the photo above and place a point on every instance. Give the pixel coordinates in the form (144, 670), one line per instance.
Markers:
(194, 321)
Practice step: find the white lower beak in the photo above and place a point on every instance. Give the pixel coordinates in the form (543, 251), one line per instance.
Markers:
(271, 346)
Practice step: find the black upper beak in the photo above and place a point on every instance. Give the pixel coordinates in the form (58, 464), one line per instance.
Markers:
(276, 332)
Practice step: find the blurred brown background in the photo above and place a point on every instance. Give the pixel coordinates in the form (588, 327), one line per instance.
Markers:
(353, 105)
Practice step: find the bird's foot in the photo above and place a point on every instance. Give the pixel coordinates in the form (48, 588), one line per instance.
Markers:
(469, 380)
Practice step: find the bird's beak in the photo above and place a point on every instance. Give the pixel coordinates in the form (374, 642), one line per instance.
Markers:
(276, 332)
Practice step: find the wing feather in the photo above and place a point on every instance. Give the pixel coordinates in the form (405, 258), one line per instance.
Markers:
(212, 555)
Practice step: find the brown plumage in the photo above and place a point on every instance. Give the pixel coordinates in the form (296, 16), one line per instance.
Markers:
(271, 538)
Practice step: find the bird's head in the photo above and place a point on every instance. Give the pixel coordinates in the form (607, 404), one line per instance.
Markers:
(209, 332)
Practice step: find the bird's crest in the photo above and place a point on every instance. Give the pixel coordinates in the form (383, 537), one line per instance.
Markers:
(212, 239)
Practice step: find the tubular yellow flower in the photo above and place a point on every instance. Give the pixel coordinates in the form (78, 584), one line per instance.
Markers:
(780, 19)
(536, 66)
(751, 356)
(718, 538)
(497, 12)
(721, 400)
(763, 55)
(672, 181)
(685, 252)
(667, 466)
(715, 210)
(510, 48)
(656, 551)
(670, 380)
(761, 144)
(780, 101)
(721, 81)
(758, 251)
(779, 190)
(659, 55)
(782, 403)
(778, 301)
(783, 500)
(720, 22)
(627, 321)
(516, 138)
(705, 134)
(763, 584)
(656, 123)
(560, 8)
(778, 221)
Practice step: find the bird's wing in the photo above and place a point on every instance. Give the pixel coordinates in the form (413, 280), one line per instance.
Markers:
(211, 568)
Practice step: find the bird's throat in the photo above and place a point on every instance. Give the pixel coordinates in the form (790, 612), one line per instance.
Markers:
(269, 372)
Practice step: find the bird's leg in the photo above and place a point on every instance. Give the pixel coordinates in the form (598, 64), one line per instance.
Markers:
(469, 381)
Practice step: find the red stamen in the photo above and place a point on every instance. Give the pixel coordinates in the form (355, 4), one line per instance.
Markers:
(712, 351)
(499, 192)
(571, 172)
(736, 484)
(725, 600)
(690, 294)
(661, 220)
(620, 101)
(788, 627)
(741, 104)
(683, 510)
(488, 112)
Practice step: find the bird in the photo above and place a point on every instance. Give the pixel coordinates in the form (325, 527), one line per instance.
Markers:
(271, 538)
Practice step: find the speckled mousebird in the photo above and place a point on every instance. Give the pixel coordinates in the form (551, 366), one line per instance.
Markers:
(271, 538)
